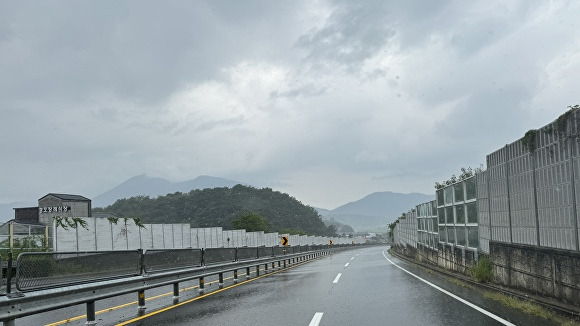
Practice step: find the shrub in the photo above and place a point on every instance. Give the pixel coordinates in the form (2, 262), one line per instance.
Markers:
(483, 270)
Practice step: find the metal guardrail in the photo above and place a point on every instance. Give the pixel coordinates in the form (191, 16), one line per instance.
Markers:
(142, 270)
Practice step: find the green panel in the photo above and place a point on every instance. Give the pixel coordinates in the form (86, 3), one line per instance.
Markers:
(448, 194)
(473, 236)
(470, 188)
(451, 234)
(460, 214)
(460, 232)
(458, 189)
(441, 215)
(471, 212)
(440, 197)
(449, 215)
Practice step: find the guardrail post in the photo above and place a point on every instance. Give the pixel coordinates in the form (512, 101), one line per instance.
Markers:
(221, 280)
(91, 313)
(266, 268)
(279, 264)
(284, 263)
(257, 270)
(236, 276)
(247, 273)
(175, 293)
(141, 261)
(9, 274)
(141, 302)
(201, 285)
(273, 265)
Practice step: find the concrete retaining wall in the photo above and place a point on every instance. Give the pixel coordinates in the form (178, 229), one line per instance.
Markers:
(544, 271)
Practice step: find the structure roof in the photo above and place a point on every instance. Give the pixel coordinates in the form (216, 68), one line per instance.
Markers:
(68, 197)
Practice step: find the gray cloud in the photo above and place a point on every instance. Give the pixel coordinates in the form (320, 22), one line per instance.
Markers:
(327, 100)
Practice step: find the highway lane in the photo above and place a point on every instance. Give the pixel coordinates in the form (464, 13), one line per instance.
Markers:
(354, 287)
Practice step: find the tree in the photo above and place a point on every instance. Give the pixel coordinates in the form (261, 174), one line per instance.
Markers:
(251, 222)
(292, 231)
(331, 231)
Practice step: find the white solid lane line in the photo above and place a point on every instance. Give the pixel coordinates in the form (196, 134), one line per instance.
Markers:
(316, 319)
(346, 264)
(336, 278)
(483, 311)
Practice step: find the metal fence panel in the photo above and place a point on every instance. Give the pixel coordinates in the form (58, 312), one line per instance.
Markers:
(186, 237)
(498, 192)
(218, 255)
(265, 252)
(521, 194)
(120, 241)
(576, 165)
(133, 235)
(281, 251)
(483, 211)
(196, 238)
(271, 239)
(157, 234)
(177, 236)
(86, 237)
(159, 260)
(294, 240)
(234, 238)
(103, 237)
(555, 194)
(247, 253)
(146, 237)
(65, 240)
(47, 270)
(255, 239)
(168, 241)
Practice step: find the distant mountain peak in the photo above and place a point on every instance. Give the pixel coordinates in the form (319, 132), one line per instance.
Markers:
(375, 209)
(144, 185)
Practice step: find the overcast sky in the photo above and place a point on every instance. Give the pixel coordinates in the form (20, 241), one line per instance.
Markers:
(326, 100)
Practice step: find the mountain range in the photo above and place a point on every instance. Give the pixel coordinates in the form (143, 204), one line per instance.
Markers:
(371, 213)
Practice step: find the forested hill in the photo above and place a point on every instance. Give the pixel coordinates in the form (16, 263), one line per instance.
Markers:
(219, 206)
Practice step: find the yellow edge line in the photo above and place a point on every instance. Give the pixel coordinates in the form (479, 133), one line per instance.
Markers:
(205, 295)
(68, 320)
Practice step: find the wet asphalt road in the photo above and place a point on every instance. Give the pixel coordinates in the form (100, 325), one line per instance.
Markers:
(370, 290)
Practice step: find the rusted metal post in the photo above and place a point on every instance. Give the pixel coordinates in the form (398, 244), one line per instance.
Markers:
(141, 302)
(201, 285)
